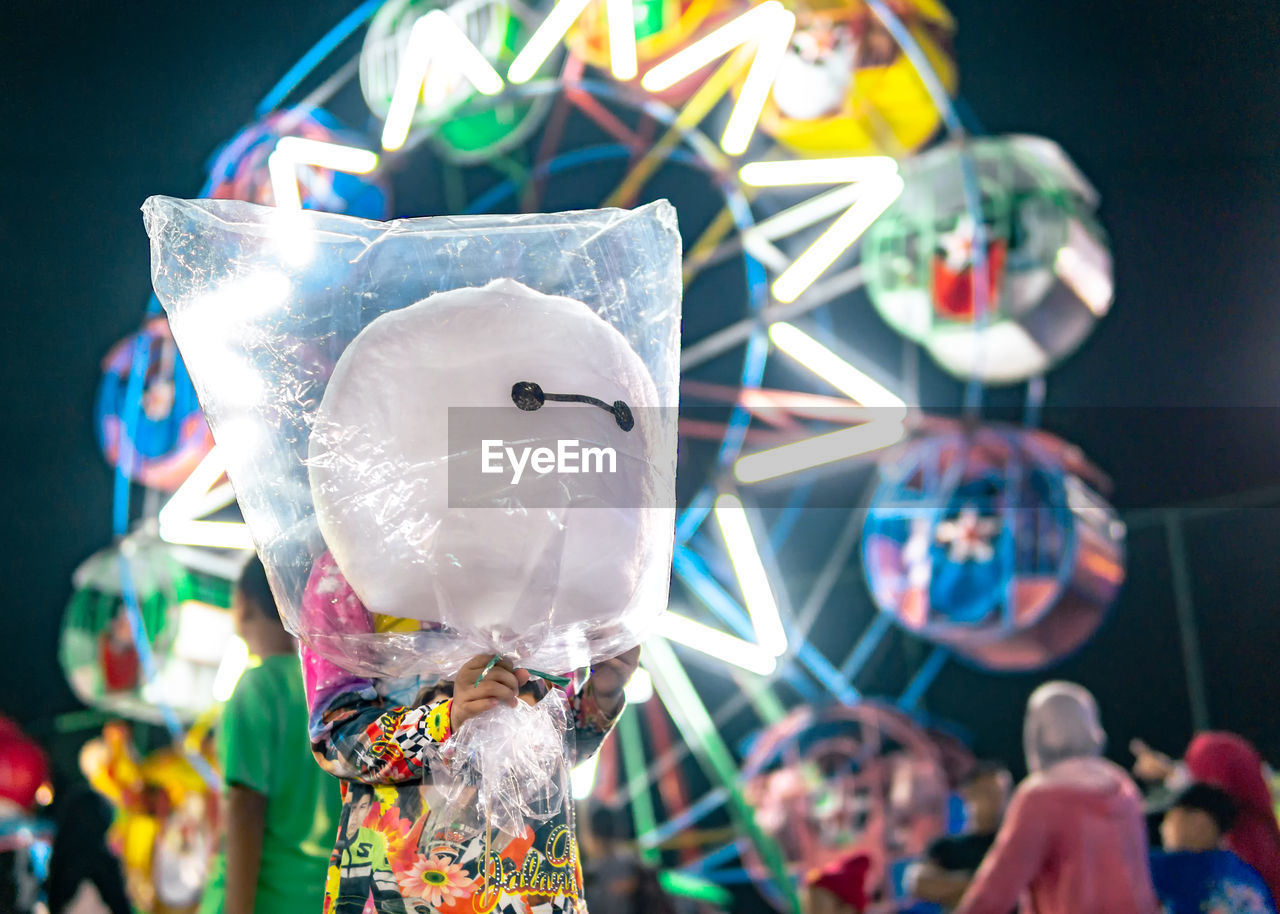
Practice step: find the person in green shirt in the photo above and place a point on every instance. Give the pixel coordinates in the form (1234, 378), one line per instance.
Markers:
(281, 809)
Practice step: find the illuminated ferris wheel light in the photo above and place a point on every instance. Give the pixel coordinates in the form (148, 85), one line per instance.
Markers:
(435, 40)
(546, 38)
(768, 27)
(198, 495)
(818, 451)
(794, 172)
(753, 580)
(292, 151)
(756, 87)
(349, 159)
(284, 181)
(214, 534)
(717, 644)
(854, 384)
(622, 39)
(842, 234)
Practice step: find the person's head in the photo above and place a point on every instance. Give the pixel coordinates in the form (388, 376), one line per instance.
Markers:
(1199, 817)
(986, 793)
(256, 617)
(1230, 762)
(23, 768)
(1062, 723)
(358, 811)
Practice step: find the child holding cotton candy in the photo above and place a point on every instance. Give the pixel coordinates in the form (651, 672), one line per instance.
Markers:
(366, 399)
(403, 845)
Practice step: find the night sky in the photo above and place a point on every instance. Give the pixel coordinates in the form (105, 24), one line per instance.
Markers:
(1171, 108)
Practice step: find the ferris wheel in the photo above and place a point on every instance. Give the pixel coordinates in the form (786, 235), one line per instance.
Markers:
(783, 133)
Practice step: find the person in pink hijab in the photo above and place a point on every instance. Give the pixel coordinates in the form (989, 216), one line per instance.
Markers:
(1230, 763)
(1074, 839)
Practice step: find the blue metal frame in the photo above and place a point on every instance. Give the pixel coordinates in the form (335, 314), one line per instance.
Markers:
(923, 678)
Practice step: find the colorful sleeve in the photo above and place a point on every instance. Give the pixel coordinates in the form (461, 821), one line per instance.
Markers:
(366, 741)
(354, 733)
(590, 723)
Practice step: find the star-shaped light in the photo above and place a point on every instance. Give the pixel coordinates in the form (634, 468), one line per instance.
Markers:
(969, 536)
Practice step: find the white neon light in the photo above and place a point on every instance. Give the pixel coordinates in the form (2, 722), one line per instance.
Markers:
(762, 249)
(284, 181)
(214, 534)
(837, 372)
(769, 26)
(759, 82)
(622, 39)
(349, 159)
(583, 777)
(753, 580)
(817, 451)
(547, 37)
(792, 219)
(179, 520)
(878, 184)
(640, 688)
(435, 39)
(713, 643)
(750, 26)
(292, 151)
(820, 255)
(795, 172)
(197, 495)
(234, 662)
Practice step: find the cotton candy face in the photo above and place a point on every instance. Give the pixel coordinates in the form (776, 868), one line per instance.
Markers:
(434, 490)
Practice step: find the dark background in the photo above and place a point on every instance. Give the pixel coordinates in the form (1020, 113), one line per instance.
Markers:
(1171, 108)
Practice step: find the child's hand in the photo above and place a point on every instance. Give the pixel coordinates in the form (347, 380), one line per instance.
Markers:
(501, 685)
(609, 678)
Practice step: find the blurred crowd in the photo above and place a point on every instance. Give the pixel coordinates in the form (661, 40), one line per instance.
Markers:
(1080, 834)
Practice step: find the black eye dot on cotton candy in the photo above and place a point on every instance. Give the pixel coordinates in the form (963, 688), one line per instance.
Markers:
(529, 396)
(622, 413)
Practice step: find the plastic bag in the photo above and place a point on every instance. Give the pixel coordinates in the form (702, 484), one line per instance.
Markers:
(357, 416)
(508, 766)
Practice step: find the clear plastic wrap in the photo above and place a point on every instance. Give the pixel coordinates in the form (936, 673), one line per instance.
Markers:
(509, 766)
(355, 375)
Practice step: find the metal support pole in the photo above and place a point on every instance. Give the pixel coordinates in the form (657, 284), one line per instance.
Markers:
(923, 678)
(1188, 631)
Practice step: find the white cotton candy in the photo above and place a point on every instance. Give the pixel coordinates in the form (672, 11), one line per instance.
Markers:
(487, 555)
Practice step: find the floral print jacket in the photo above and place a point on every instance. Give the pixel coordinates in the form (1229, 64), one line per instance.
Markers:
(397, 852)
